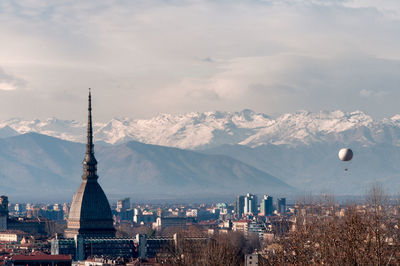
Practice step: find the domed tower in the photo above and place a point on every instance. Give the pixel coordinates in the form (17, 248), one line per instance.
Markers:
(90, 213)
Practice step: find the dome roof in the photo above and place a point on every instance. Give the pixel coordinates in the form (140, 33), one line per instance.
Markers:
(90, 203)
(90, 213)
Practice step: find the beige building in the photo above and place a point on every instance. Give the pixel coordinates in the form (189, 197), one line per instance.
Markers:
(241, 226)
(12, 235)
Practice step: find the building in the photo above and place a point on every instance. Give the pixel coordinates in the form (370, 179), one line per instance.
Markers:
(178, 222)
(123, 210)
(90, 214)
(12, 235)
(222, 207)
(250, 204)
(251, 259)
(90, 230)
(281, 205)
(241, 226)
(123, 205)
(33, 226)
(239, 206)
(56, 207)
(18, 208)
(266, 206)
(80, 248)
(39, 259)
(3, 212)
(145, 218)
(258, 228)
(100, 262)
(132, 247)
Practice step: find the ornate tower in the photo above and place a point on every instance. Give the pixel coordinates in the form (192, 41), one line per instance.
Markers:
(90, 213)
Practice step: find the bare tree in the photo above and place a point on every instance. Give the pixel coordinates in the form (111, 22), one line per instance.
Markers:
(366, 234)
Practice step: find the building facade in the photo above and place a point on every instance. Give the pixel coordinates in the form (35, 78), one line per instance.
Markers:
(3, 212)
(281, 205)
(239, 206)
(266, 206)
(250, 204)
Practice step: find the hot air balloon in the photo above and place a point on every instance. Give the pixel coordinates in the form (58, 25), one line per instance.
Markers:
(345, 155)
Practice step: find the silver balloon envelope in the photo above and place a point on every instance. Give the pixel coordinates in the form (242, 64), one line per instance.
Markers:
(345, 154)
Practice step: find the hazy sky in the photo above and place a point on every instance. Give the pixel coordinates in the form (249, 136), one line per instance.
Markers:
(146, 57)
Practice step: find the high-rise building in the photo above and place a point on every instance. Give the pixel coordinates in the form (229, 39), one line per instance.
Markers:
(90, 213)
(123, 205)
(266, 206)
(281, 204)
(250, 204)
(239, 206)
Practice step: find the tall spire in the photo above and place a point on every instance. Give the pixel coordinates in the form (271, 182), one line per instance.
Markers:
(89, 145)
(90, 214)
(90, 162)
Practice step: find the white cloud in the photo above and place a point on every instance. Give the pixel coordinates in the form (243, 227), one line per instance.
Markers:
(372, 93)
(9, 82)
(4, 86)
(145, 57)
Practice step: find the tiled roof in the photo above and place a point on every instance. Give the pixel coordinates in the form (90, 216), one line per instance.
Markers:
(40, 257)
(18, 232)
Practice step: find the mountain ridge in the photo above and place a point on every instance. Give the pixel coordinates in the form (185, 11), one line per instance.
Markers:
(34, 166)
(212, 129)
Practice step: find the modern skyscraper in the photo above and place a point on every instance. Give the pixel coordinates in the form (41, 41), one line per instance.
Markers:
(281, 202)
(266, 206)
(90, 213)
(250, 204)
(239, 206)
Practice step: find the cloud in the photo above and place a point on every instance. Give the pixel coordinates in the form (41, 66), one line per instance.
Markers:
(9, 82)
(146, 57)
(372, 93)
(208, 59)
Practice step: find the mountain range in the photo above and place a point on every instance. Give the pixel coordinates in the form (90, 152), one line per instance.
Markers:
(207, 154)
(213, 129)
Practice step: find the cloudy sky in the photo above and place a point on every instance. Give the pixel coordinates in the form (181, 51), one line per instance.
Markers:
(147, 57)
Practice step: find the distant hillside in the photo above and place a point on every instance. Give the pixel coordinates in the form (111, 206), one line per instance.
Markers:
(316, 167)
(34, 166)
(7, 131)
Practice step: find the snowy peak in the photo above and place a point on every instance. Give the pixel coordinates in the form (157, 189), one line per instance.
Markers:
(210, 129)
(305, 127)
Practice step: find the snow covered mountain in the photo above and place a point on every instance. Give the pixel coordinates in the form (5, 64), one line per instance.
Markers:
(212, 129)
(299, 149)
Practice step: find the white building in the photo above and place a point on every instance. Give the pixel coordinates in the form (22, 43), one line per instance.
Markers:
(250, 204)
(12, 235)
